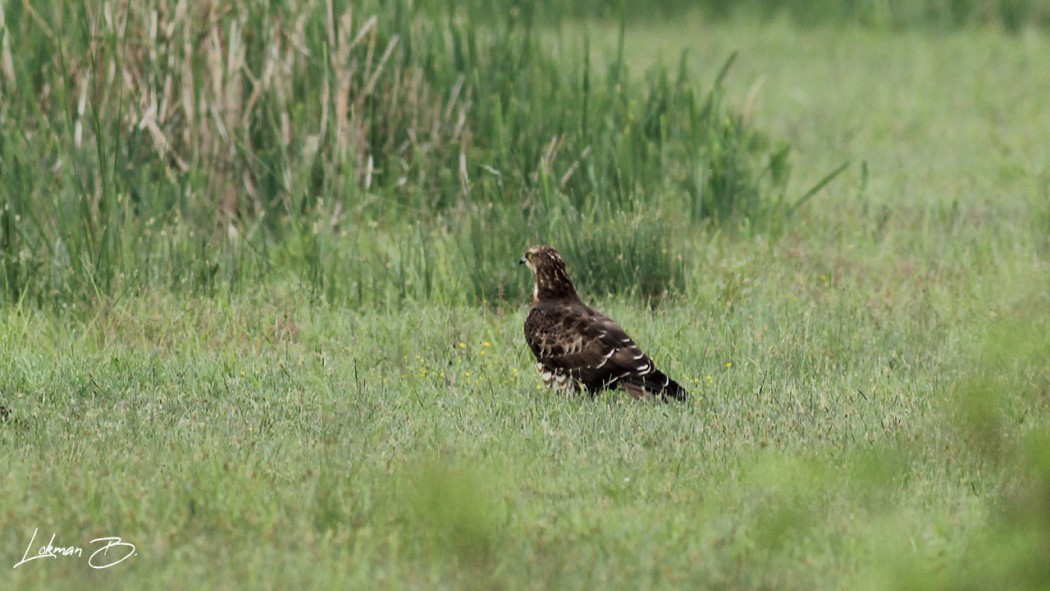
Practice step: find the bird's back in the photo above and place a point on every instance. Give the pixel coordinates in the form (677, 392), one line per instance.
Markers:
(574, 341)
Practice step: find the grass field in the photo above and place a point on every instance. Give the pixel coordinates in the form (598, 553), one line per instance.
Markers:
(870, 379)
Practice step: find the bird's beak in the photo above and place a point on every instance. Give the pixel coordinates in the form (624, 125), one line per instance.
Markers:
(521, 261)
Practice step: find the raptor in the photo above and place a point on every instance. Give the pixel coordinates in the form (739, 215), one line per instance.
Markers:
(579, 348)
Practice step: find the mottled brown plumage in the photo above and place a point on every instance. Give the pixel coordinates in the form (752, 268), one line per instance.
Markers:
(577, 346)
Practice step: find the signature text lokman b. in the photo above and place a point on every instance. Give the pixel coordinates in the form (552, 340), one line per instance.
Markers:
(113, 551)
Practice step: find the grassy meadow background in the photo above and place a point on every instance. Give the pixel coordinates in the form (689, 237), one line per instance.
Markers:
(259, 314)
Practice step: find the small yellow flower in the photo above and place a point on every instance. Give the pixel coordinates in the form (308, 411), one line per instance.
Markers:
(729, 364)
(486, 344)
(708, 379)
(462, 345)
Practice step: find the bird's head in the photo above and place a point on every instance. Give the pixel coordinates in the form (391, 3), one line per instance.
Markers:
(552, 281)
(541, 257)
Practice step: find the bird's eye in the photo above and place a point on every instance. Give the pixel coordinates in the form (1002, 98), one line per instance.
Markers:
(528, 255)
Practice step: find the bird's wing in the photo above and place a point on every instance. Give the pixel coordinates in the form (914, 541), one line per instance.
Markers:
(585, 344)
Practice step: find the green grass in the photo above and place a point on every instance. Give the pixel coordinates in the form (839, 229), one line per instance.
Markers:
(1009, 15)
(870, 386)
(138, 157)
(270, 443)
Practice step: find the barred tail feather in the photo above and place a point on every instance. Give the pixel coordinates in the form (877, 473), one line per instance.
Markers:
(655, 383)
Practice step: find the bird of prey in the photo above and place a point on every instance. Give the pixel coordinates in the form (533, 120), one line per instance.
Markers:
(578, 347)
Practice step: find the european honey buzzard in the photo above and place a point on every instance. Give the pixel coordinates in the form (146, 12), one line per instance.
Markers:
(577, 346)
